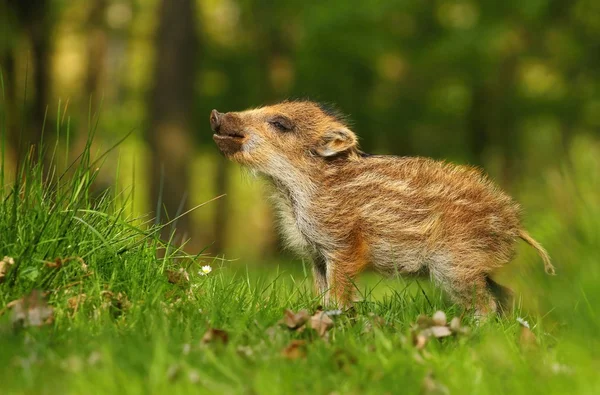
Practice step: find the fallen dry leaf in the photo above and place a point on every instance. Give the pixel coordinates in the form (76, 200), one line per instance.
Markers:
(213, 335)
(424, 322)
(58, 262)
(74, 301)
(295, 350)
(116, 304)
(294, 320)
(419, 341)
(440, 331)
(439, 318)
(455, 324)
(437, 326)
(5, 264)
(178, 276)
(55, 264)
(32, 310)
(321, 323)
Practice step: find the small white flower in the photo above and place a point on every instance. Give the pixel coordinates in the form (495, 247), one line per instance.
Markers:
(204, 270)
(523, 322)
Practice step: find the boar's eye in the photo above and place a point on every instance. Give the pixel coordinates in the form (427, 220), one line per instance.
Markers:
(281, 124)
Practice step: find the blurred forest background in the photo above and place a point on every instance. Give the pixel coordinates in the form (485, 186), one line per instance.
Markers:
(513, 86)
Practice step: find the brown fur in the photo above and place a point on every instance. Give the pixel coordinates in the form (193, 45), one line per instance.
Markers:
(347, 210)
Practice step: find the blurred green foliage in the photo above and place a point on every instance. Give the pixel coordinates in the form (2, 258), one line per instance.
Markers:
(506, 85)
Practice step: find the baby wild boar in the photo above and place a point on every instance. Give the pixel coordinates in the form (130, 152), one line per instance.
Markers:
(346, 209)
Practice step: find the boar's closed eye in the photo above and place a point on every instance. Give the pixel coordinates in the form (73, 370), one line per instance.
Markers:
(281, 124)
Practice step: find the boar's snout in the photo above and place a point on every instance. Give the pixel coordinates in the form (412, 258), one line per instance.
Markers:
(215, 120)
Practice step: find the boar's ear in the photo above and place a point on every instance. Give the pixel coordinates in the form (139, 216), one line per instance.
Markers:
(336, 141)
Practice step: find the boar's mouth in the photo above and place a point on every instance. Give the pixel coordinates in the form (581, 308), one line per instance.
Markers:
(228, 135)
(229, 142)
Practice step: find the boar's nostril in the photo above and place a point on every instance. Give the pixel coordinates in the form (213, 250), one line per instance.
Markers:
(215, 120)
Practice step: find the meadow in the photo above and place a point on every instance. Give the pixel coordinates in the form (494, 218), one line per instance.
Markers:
(98, 292)
(92, 301)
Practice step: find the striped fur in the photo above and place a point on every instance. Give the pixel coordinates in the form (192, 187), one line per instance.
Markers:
(347, 210)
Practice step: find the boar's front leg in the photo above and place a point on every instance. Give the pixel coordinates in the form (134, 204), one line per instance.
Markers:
(342, 267)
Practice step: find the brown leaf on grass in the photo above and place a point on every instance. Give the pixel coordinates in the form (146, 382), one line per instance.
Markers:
(74, 301)
(455, 324)
(55, 264)
(213, 335)
(32, 310)
(58, 262)
(439, 318)
(178, 276)
(321, 323)
(5, 264)
(436, 326)
(84, 265)
(116, 303)
(424, 321)
(295, 350)
(294, 320)
(440, 331)
(419, 340)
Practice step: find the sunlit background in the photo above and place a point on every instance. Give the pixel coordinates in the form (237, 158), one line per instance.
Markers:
(512, 86)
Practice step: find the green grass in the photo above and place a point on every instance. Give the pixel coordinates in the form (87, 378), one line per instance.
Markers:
(136, 332)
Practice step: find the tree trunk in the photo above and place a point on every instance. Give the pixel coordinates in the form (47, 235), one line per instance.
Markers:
(38, 27)
(170, 112)
(96, 50)
(34, 19)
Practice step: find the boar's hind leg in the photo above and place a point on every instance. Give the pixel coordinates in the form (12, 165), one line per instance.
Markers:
(469, 289)
(319, 270)
(474, 293)
(503, 295)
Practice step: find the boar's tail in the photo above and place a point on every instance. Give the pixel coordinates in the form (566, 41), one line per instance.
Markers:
(540, 250)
